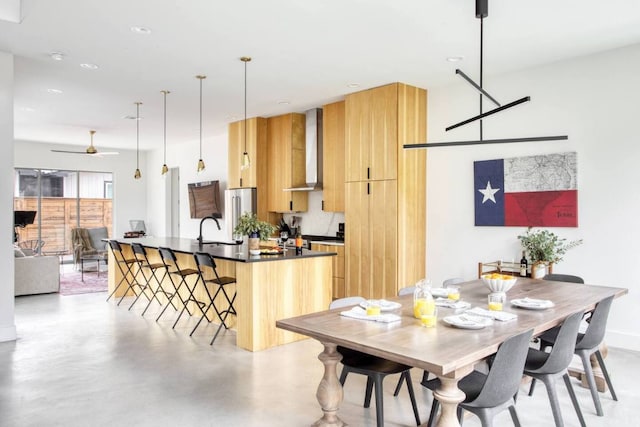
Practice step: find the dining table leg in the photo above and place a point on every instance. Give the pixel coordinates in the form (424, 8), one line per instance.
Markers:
(329, 392)
(449, 395)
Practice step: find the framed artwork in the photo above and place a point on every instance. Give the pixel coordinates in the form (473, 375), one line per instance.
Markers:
(533, 191)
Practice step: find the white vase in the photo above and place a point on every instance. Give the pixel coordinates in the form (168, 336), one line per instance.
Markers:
(539, 270)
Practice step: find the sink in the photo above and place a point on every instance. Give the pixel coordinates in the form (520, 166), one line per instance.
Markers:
(217, 243)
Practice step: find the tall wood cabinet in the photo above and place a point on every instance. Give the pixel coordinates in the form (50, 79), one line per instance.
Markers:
(256, 174)
(333, 165)
(286, 158)
(385, 190)
(338, 266)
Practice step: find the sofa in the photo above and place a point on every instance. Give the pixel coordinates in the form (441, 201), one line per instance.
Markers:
(36, 274)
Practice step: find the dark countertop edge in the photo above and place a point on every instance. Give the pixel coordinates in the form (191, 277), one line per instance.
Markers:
(215, 250)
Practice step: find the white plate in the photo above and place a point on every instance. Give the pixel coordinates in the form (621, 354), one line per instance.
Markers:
(467, 321)
(384, 304)
(532, 304)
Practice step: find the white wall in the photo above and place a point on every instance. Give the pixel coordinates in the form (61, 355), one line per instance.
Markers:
(185, 157)
(129, 195)
(593, 100)
(7, 323)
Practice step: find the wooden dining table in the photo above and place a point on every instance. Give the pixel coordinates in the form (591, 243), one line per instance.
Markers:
(449, 353)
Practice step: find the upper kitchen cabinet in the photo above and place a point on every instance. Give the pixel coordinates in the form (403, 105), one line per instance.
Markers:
(372, 128)
(333, 130)
(256, 146)
(286, 159)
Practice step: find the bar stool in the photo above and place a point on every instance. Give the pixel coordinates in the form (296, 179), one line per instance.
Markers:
(205, 260)
(169, 260)
(140, 254)
(124, 265)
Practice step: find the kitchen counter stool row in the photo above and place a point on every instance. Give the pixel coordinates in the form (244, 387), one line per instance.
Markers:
(171, 284)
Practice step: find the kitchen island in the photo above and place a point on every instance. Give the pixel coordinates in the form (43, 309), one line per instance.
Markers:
(269, 287)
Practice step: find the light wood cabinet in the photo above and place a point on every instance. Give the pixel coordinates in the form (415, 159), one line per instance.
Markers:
(372, 134)
(256, 145)
(333, 165)
(385, 190)
(338, 267)
(372, 244)
(286, 158)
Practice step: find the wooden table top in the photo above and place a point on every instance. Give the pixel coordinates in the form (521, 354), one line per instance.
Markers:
(443, 350)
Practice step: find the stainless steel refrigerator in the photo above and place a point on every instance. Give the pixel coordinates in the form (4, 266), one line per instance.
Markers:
(236, 202)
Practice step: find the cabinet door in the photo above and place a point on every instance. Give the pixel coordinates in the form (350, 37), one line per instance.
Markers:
(383, 122)
(333, 150)
(383, 214)
(357, 136)
(286, 157)
(256, 148)
(357, 240)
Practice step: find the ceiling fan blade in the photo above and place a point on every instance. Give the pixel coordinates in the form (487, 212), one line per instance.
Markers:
(97, 153)
(69, 152)
(106, 153)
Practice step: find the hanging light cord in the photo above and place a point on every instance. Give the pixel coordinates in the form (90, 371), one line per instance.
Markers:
(245, 107)
(200, 118)
(137, 135)
(481, 60)
(164, 92)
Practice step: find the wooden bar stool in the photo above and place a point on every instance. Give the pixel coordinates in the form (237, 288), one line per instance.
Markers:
(140, 254)
(124, 265)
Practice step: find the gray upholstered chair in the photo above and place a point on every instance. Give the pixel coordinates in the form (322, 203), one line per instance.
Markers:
(548, 367)
(587, 344)
(375, 368)
(452, 281)
(563, 278)
(489, 394)
(88, 241)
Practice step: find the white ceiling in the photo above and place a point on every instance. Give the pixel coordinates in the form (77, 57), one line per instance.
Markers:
(304, 52)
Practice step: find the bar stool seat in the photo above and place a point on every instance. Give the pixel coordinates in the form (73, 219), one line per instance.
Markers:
(204, 261)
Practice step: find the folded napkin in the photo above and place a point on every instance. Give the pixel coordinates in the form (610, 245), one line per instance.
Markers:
(445, 302)
(502, 316)
(360, 313)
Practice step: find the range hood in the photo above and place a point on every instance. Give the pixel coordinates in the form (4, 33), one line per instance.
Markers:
(313, 147)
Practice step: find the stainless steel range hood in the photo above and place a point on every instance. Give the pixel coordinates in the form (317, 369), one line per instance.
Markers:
(313, 146)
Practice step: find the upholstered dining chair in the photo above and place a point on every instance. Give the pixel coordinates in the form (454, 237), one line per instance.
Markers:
(563, 278)
(548, 367)
(588, 343)
(375, 368)
(489, 394)
(452, 281)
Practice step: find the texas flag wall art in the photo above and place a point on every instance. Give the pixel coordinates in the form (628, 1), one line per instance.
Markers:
(533, 191)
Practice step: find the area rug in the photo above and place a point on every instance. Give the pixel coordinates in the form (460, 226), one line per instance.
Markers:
(71, 282)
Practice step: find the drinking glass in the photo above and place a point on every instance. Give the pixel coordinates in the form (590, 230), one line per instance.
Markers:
(453, 293)
(237, 237)
(429, 315)
(496, 300)
(284, 236)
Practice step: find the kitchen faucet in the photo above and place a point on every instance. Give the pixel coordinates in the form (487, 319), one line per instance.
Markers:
(200, 242)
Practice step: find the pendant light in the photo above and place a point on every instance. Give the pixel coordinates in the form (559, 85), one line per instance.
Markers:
(246, 161)
(165, 168)
(137, 174)
(200, 161)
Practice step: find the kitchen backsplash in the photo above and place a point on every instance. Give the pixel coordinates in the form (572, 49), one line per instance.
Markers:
(315, 221)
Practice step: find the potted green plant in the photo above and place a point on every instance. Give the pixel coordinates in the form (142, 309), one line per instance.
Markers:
(256, 230)
(545, 247)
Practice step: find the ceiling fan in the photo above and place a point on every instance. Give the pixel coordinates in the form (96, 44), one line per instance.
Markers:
(91, 150)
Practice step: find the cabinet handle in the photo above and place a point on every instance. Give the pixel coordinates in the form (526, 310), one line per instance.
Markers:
(240, 182)
(368, 173)
(368, 188)
(290, 205)
(323, 205)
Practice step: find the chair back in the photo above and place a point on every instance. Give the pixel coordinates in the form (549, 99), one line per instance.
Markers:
(563, 278)
(139, 251)
(115, 246)
(204, 259)
(409, 290)
(594, 334)
(168, 257)
(344, 302)
(452, 281)
(564, 347)
(505, 374)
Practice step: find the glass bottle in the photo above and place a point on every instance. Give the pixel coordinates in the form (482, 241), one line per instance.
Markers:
(523, 265)
(423, 301)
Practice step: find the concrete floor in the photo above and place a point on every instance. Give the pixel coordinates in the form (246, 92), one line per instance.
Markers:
(80, 361)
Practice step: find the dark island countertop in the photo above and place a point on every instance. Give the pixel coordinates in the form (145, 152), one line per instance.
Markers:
(237, 253)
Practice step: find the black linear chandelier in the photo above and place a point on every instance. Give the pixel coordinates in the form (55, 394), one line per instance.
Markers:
(482, 11)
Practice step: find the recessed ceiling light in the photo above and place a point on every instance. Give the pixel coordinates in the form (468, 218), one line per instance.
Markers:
(141, 30)
(89, 66)
(455, 58)
(131, 117)
(353, 85)
(56, 56)
(284, 102)
(56, 91)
